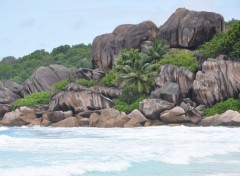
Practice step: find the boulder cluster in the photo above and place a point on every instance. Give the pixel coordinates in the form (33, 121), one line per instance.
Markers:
(184, 29)
(179, 98)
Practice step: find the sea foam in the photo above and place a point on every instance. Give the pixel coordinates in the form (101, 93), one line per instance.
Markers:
(66, 169)
(74, 151)
(3, 129)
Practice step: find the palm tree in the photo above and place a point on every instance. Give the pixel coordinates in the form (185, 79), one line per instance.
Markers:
(134, 70)
(156, 51)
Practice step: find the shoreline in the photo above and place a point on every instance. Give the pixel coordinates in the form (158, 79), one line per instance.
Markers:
(109, 118)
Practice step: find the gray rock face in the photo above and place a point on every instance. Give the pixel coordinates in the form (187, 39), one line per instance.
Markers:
(44, 78)
(218, 80)
(108, 118)
(194, 115)
(13, 119)
(189, 29)
(13, 86)
(83, 121)
(69, 100)
(68, 122)
(154, 123)
(179, 115)
(18, 118)
(89, 74)
(6, 95)
(137, 119)
(175, 115)
(107, 46)
(178, 75)
(57, 116)
(4, 108)
(110, 92)
(93, 119)
(168, 92)
(229, 118)
(152, 108)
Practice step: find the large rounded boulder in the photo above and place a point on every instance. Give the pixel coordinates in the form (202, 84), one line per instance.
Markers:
(44, 78)
(189, 29)
(106, 47)
(84, 100)
(228, 118)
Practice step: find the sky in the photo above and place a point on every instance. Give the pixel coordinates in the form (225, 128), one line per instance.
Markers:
(29, 25)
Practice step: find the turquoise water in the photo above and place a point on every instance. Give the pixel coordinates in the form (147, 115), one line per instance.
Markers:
(153, 151)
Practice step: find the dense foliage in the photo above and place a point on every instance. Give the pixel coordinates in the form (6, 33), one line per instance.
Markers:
(229, 24)
(61, 86)
(129, 100)
(134, 69)
(180, 58)
(110, 78)
(87, 83)
(21, 69)
(221, 107)
(125, 107)
(155, 51)
(227, 43)
(33, 99)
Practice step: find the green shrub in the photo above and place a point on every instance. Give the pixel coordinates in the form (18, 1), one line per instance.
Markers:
(129, 94)
(221, 107)
(227, 43)
(125, 107)
(110, 79)
(87, 83)
(61, 86)
(180, 58)
(33, 99)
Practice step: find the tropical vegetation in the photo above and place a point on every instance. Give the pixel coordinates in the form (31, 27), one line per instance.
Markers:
(227, 43)
(33, 99)
(20, 69)
(221, 107)
(180, 58)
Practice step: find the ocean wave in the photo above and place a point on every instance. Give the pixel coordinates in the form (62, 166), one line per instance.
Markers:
(178, 145)
(67, 169)
(225, 174)
(4, 128)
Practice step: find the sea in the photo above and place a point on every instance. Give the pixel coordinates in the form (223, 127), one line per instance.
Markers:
(144, 151)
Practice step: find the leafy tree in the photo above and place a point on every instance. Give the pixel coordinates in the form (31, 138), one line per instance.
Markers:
(9, 60)
(61, 49)
(224, 43)
(180, 58)
(230, 23)
(22, 68)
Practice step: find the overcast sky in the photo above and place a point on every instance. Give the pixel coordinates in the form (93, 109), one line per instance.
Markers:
(28, 25)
